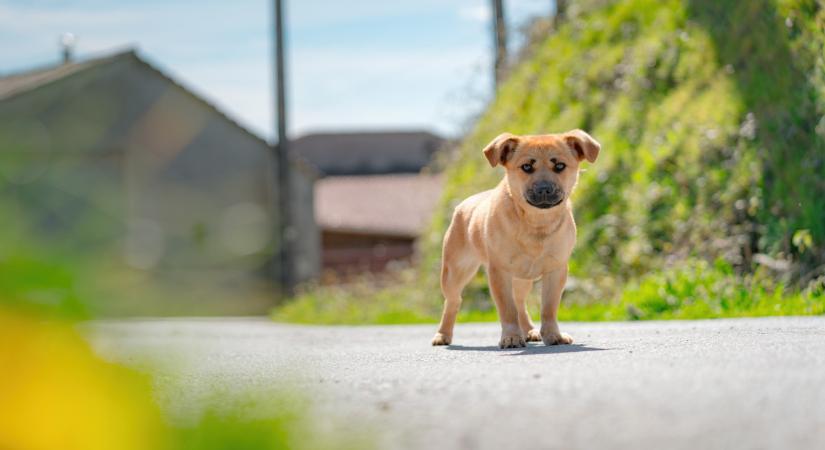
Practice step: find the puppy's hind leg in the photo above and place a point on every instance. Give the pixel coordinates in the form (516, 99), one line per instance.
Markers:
(521, 289)
(456, 272)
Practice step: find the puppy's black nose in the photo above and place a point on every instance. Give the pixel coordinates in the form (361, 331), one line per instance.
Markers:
(544, 188)
(544, 194)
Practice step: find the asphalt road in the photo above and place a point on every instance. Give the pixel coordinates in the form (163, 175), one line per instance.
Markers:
(720, 384)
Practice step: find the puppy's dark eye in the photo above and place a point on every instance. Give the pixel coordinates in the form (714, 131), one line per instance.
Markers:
(527, 168)
(559, 167)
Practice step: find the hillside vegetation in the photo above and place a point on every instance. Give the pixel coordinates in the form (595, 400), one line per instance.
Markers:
(708, 198)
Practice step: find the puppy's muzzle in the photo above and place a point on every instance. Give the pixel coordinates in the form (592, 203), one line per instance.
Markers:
(544, 194)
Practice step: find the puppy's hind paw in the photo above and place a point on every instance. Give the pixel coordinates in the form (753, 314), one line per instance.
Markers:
(512, 341)
(533, 336)
(442, 339)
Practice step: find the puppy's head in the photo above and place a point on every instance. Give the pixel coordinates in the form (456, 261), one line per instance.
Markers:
(542, 170)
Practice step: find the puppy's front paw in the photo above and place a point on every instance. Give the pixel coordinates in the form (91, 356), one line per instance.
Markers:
(512, 341)
(533, 336)
(442, 339)
(556, 338)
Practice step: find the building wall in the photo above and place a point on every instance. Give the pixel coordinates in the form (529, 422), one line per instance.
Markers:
(349, 253)
(200, 189)
(56, 158)
(307, 233)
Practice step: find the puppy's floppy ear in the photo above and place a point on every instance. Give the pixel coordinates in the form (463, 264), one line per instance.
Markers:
(583, 145)
(501, 148)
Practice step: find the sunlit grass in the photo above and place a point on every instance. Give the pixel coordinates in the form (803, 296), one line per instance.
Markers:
(692, 290)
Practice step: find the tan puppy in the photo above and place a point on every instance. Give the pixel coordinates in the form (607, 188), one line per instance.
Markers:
(521, 231)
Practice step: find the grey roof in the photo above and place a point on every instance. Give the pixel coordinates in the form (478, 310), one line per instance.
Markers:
(16, 84)
(367, 153)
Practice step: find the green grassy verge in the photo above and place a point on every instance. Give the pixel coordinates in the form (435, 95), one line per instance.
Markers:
(697, 290)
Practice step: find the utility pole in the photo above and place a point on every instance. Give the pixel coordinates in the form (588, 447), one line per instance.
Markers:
(284, 257)
(561, 12)
(500, 35)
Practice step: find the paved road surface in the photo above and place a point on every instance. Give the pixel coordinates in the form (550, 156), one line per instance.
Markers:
(722, 384)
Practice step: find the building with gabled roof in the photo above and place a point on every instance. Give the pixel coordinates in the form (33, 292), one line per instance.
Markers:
(177, 184)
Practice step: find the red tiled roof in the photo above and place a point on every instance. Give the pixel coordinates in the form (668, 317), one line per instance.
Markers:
(389, 205)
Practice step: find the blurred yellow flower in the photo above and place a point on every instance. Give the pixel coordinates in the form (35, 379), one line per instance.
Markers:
(56, 394)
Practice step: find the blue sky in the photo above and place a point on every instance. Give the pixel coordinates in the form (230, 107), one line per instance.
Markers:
(353, 65)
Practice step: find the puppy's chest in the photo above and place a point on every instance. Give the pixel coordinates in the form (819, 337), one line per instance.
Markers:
(538, 253)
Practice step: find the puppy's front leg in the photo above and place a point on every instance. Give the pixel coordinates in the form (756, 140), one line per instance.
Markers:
(552, 285)
(501, 287)
(521, 288)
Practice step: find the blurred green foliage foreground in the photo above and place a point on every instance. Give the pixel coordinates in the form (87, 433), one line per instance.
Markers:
(56, 393)
(708, 199)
